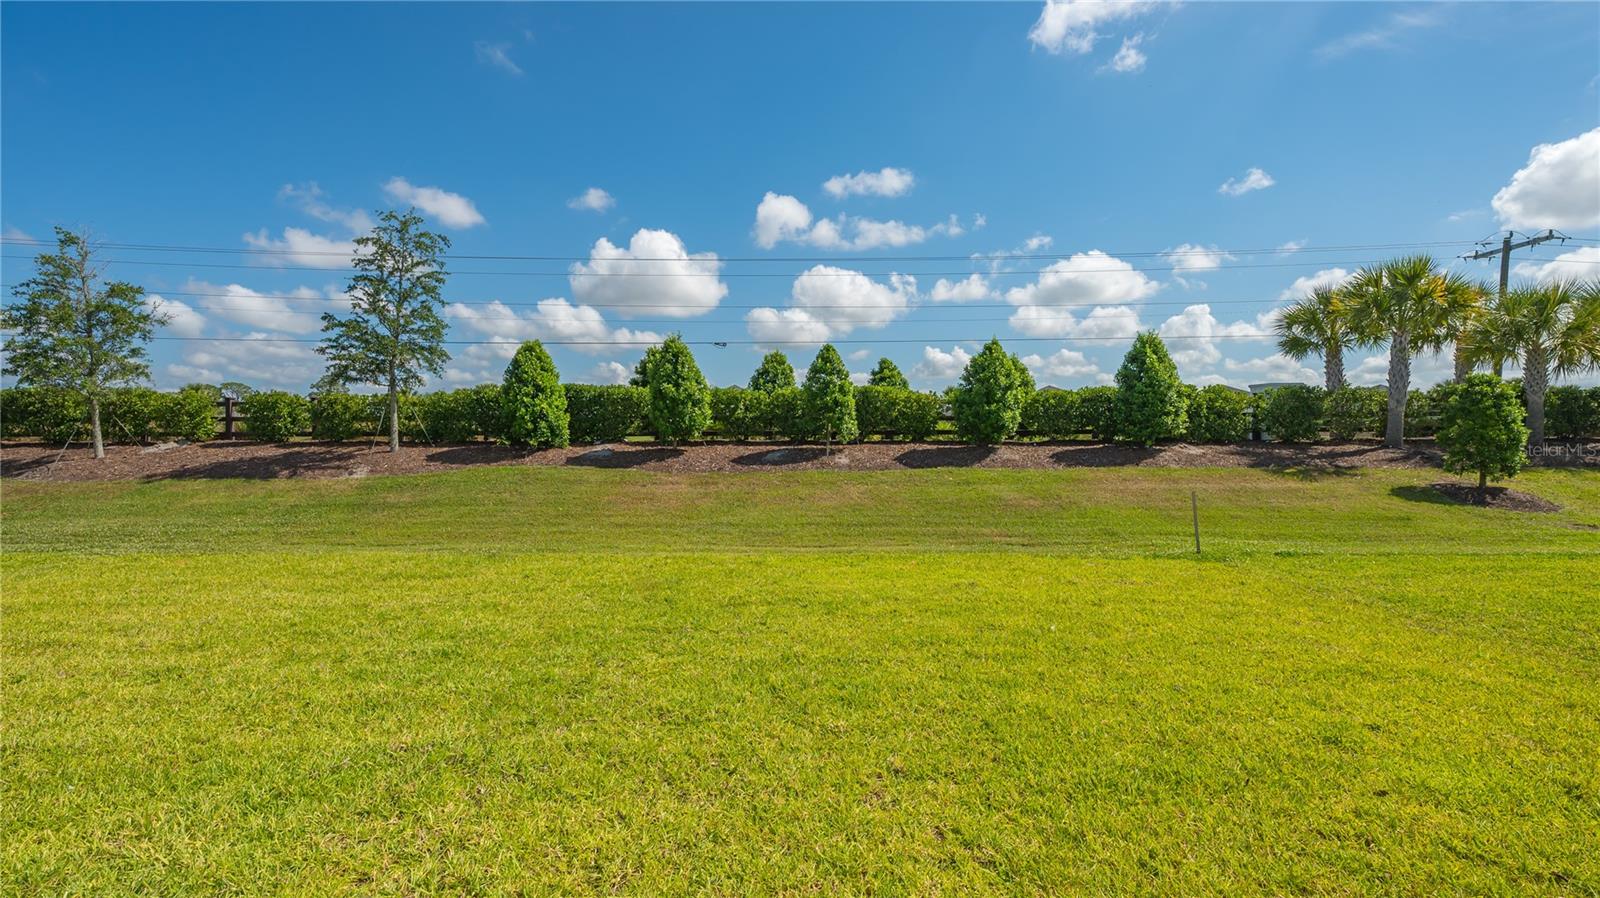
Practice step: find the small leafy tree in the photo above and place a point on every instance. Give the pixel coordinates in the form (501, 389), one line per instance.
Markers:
(830, 397)
(1482, 430)
(774, 373)
(887, 374)
(989, 399)
(680, 399)
(532, 399)
(1350, 411)
(1150, 396)
(72, 331)
(393, 334)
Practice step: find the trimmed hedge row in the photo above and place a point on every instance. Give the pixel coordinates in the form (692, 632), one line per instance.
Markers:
(599, 414)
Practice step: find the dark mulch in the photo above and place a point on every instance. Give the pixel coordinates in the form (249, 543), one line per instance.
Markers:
(224, 459)
(1493, 497)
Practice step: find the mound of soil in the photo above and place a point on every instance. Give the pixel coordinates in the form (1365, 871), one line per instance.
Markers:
(241, 459)
(1494, 497)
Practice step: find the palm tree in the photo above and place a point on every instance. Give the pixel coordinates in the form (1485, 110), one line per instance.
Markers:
(1317, 325)
(1405, 303)
(1468, 300)
(1554, 328)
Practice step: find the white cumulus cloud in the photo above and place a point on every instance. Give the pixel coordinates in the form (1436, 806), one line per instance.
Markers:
(1304, 286)
(1558, 188)
(1102, 322)
(555, 320)
(609, 373)
(1070, 25)
(937, 364)
(1061, 363)
(451, 209)
(1192, 336)
(654, 275)
(594, 200)
(299, 246)
(970, 289)
(1252, 179)
(1129, 57)
(296, 311)
(1582, 263)
(1084, 279)
(827, 302)
(182, 320)
(884, 182)
(782, 218)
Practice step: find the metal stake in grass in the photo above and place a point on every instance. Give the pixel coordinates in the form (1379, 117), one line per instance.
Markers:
(1194, 506)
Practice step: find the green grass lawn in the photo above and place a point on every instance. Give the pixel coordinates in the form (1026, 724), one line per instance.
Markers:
(550, 681)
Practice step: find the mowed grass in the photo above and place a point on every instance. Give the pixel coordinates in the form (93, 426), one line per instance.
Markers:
(529, 681)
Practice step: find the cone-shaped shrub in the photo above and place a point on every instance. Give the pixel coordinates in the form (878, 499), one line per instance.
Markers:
(988, 401)
(830, 397)
(774, 373)
(680, 400)
(532, 400)
(887, 374)
(1150, 397)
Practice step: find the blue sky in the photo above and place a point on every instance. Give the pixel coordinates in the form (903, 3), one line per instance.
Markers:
(1076, 171)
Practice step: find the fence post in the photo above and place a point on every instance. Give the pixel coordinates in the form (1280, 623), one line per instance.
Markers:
(227, 417)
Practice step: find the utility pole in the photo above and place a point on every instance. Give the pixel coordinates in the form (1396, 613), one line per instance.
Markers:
(1504, 252)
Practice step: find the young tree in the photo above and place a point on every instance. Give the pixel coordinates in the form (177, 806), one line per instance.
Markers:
(680, 400)
(73, 331)
(641, 371)
(1407, 304)
(1481, 430)
(1316, 325)
(830, 397)
(1151, 404)
(393, 334)
(989, 399)
(1554, 328)
(887, 374)
(774, 373)
(532, 399)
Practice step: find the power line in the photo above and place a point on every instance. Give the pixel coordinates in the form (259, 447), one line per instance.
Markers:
(992, 256)
(1027, 272)
(635, 343)
(745, 306)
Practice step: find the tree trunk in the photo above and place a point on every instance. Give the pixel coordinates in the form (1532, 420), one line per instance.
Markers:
(1462, 368)
(394, 416)
(1535, 381)
(1333, 368)
(1499, 368)
(94, 427)
(1399, 386)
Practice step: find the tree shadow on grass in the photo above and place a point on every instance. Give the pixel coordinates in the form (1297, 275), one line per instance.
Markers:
(778, 457)
(475, 454)
(945, 456)
(1425, 494)
(1311, 473)
(610, 457)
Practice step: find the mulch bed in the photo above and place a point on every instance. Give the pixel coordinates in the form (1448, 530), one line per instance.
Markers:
(227, 459)
(1494, 497)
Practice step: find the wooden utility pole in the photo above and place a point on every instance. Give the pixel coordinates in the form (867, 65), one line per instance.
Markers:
(1504, 252)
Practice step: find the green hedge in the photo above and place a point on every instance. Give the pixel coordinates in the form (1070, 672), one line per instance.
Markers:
(738, 412)
(275, 416)
(343, 416)
(1291, 413)
(1053, 414)
(1572, 413)
(606, 414)
(896, 412)
(127, 415)
(1352, 411)
(1097, 412)
(1219, 414)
